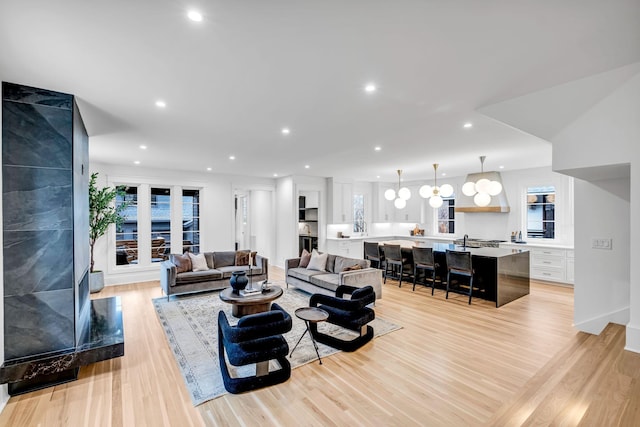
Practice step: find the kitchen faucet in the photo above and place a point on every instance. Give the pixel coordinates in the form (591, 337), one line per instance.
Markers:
(464, 241)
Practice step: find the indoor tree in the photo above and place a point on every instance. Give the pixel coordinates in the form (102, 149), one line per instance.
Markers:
(102, 211)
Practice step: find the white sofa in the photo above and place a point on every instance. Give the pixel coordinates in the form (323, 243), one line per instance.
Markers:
(326, 282)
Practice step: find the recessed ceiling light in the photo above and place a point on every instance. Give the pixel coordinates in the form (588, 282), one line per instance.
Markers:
(160, 103)
(194, 15)
(209, 169)
(378, 148)
(370, 88)
(444, 174)
(378, 176)
(232, 157)
(143, 147)
(501, 167)
(275, 174)
(307, 166)
(286, 131)
(468, 125)
(136, 162)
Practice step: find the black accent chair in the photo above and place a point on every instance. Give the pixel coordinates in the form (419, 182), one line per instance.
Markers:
(351, 314)
(423, 260)
(372, 253)
(459, 264)
(257, 338)
(394, 261)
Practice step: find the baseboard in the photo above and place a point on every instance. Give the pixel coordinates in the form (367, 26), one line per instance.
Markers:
(597, 324)
(633, 338)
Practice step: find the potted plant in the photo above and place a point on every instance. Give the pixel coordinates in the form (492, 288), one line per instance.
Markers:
(102, 213)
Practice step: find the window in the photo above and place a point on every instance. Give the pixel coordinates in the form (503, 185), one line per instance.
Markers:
(358, 213)
(160, 224)
(446, 219)
(541, 212)
(127, 232)
(191, 221)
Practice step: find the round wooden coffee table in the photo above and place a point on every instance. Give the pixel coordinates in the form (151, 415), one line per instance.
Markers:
(250, 304)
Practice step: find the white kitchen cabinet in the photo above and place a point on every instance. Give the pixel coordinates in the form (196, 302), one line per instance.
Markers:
(413, 211)
(549, 264)
(383, 209)
(340, 199)
(346, 248)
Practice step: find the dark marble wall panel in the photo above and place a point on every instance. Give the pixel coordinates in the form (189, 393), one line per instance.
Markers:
(34, 95)
(34, 135)
(37, 261)
(39, 323)
(36, 198)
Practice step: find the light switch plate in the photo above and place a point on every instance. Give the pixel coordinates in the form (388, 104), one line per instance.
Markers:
(599, 243)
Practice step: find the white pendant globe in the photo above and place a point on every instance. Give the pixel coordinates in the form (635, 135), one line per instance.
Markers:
(435, 201)
(400, 203)
(425, 191)
(404, 193)
(482, 199)
(469, 188)
(482, 186)
(390, 194)
(446, 190)
(495, 188)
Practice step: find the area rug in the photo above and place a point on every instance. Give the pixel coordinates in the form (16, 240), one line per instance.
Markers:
(191, 326)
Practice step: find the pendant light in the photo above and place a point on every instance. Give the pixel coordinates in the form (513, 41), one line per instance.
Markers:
(482, 189)
(403, 194)
(435, 193)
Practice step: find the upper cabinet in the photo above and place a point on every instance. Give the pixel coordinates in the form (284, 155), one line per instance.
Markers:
(385, 211)
(340, 199)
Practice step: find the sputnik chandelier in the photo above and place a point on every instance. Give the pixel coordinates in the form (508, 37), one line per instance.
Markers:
(435, 193)
(403, 194)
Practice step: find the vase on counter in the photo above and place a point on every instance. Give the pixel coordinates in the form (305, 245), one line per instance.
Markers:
(238, 280)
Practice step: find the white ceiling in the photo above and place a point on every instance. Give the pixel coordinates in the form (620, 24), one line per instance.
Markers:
(252, 67)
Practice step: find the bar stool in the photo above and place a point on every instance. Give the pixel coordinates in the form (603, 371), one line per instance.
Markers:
(372, 253)
(423, 260)
(394, 260)
(459, 264)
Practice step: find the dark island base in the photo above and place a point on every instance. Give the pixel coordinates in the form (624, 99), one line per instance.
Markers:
(103, 340)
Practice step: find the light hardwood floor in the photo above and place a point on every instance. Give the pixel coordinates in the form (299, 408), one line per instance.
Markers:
(451, 364)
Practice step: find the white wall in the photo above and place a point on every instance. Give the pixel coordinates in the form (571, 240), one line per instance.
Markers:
(601, 291)
(607, 134)
(286, 221)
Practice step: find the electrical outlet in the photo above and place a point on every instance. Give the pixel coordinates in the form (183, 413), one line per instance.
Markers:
(602, 243)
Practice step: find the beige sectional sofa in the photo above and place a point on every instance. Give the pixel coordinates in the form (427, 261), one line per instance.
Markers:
(327, 281)
(220, 266)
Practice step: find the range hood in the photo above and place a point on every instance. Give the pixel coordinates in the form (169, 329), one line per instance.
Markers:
(498, 203)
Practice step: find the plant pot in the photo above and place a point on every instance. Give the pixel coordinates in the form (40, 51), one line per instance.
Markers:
(238, 280)
(96, 281)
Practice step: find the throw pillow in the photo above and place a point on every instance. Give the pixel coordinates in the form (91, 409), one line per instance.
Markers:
(304, 259)
(242, 257)
(252, 258)
(182, 262)
(318, 261)
(198, 262)
(353, 267)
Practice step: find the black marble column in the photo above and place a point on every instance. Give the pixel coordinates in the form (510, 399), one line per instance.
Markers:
(44, 198)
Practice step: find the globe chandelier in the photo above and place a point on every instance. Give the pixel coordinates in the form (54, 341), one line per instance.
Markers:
(482, 189)
(435, 193)
(403, 194)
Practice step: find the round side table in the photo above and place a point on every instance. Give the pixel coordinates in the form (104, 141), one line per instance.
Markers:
(310, 315)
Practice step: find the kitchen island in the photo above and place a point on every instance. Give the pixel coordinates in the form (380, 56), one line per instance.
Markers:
(501, 275)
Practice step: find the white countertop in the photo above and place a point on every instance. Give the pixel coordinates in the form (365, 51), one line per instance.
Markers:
(451, 239)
